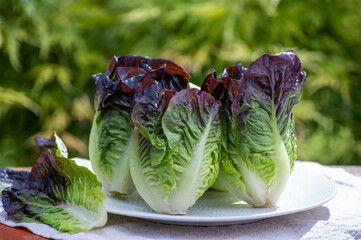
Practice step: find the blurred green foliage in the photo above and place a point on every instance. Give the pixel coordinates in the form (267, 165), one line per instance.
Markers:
(49, 49)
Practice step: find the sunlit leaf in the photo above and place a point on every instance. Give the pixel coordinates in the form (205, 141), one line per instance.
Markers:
(11, 97)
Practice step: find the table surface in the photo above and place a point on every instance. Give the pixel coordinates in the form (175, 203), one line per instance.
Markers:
(9, 233)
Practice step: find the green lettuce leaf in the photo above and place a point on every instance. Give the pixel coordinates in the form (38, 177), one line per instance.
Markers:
(109, 150)
(176, 152)
(53, 145)
(59, 193)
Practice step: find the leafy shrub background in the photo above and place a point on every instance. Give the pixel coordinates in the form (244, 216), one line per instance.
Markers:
(49, 49)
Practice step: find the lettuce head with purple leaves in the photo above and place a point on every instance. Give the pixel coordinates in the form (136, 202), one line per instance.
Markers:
(258, 135)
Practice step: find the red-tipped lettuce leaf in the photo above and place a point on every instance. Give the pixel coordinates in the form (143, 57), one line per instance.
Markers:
(59, 193)
(235, 72)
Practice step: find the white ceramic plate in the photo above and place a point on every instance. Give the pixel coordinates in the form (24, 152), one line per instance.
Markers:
(305, 190)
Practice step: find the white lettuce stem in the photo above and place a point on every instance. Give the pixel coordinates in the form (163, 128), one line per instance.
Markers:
(88, 218)
(255, 191)
(282, 170)
(282, 163)
(242, 195)
(252, 188)
(255, 186)
(94, 153)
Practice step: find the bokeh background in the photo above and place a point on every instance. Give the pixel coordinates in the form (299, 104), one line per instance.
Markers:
(50, 48)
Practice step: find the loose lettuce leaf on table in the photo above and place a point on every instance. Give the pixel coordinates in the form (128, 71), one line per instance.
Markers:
(59, 193)
(112, 131)
(176, 147)
(54, 145)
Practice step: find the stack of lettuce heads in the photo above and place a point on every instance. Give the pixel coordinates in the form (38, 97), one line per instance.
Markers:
(153, 133)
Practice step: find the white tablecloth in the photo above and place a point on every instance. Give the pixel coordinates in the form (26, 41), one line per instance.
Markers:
(338, 219)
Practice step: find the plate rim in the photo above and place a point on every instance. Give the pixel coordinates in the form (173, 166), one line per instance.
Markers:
(223, 220)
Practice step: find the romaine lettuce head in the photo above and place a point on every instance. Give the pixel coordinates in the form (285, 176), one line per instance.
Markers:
(59, 193)
(176, 147)
(112, 131)
(258, 136)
